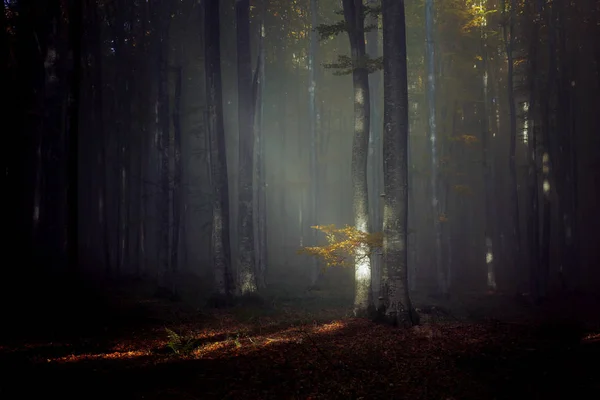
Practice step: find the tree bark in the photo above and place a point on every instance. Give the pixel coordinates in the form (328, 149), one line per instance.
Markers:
(221, 250)
(395, 147)
(374, 166)
(353, 14)
(442, 280)
(177, 174)
(312, 118)
(488, 162)
(533, 219)
(509, 40)
(246, 256)
(260, 216)
(75, 35)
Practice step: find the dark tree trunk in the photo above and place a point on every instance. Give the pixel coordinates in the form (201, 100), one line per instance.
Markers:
(221, 251)
(395, 173)
(163, 126)
(547, 157)
(488, 162)
(177, 173)
(75, 37)
(567, 154)
(246, 262)
(509, 39)
(312, 118)
(259, 150)
(533, 219)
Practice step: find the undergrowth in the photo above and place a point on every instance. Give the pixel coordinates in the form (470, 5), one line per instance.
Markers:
(181, 344)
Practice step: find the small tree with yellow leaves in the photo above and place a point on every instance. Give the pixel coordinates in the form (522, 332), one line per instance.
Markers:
(342, 245)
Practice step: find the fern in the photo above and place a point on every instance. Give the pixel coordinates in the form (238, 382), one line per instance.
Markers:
(181, 344)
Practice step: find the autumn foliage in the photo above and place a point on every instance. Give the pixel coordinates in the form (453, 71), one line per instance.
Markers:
(342, 244)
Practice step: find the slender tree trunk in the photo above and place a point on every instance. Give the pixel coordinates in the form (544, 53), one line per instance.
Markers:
(488, 162)
(312, 118)
(75, 35)
(246, 256)
(163, 127)
(533, 220)
(260, 241)
(547, 159)
(53, 167)
(221, 250)
(412, 232)
(374, 166)
(567, 183)
(177, 173)
(395, 175)
(435, 203)
(353, 14)
(509, 39)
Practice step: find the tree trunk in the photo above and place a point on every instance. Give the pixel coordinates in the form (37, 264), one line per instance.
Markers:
(435, 202)
(567, 155)
(509, 40)
(374, 166)
(75, 37)
(547, 159)
(395, 173)
(488, 162)
(533, 219)
(163, 127)
(260, 211)
(246, 257)
(221, 250)
(177, 173)
(312, 118)
(353, 14)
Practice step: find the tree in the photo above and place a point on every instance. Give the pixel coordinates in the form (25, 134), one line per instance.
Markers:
(75, 32)
(374, 168)
(397, 303)
(163, 125)
(435, 202)
(246, 254)
(488, 152)
(260, 197)
(354, 17)
(533, 218)
(312, 117)
(177, 173)
(220, 239)
(509, 41)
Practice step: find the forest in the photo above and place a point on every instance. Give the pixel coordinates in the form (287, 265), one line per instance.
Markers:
(300, 199)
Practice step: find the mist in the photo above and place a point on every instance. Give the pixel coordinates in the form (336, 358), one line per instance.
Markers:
(418, 165)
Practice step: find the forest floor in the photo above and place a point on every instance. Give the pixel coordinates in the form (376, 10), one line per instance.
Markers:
(147, 348)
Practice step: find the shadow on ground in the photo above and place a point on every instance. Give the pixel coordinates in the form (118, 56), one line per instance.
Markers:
(287, 352)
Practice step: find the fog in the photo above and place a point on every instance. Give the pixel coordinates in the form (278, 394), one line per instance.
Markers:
(300, 199)
(145, 195)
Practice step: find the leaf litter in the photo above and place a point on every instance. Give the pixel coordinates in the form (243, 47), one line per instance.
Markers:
(292, 354)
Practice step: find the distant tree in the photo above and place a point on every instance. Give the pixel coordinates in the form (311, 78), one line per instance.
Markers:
(163, 125)
(260, 196)
(509, 12)
(442, 278)
(75, 38)
(312, 117)
(177, 174)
